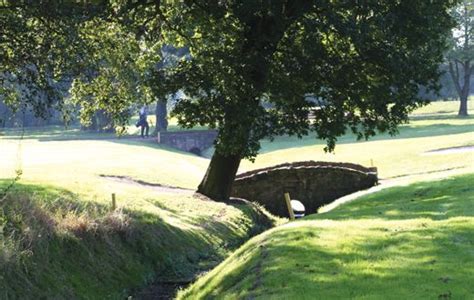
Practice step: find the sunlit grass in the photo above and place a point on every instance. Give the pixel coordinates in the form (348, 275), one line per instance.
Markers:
(403, 154)
(413, 242)
(57, 244)
(74, 159)
(445, 107)
(77, 164)
(62, 242)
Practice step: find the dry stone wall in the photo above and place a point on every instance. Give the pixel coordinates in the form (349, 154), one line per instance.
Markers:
(194, 141)
(313, 183)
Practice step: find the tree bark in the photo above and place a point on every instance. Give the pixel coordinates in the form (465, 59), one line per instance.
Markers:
(463, 107)
(465, 89)
(220, 175)
(462, 90)
(161, 116)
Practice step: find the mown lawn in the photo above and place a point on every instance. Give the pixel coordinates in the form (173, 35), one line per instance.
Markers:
(73, 160)
(412, 242)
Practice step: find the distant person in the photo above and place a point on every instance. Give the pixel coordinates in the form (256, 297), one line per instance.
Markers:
(143, 122)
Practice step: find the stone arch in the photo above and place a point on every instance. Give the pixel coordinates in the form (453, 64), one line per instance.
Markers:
(313, 183)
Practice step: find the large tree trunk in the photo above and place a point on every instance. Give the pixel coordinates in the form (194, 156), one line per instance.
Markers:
(220, 175)
(161, 116)
(463, 107)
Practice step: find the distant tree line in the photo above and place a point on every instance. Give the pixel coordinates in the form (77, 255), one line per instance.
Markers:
(100, 121)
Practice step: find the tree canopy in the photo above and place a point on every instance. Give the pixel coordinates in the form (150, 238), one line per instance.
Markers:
(259, 68)
(38, 47)
(366, 61)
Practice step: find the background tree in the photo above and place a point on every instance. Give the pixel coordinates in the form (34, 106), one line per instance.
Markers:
(111, 80)
(158, 73)
(23, 102)
(39, 48)
(461, 54)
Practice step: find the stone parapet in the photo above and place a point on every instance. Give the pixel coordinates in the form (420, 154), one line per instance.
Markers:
(194, 141)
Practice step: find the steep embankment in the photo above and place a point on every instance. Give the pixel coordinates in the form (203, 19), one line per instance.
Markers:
(413, 242)
(54, 245)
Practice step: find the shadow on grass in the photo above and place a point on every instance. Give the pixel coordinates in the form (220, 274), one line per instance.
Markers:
(436, 200)
(418, 264)
(405, 132)
(296, 263)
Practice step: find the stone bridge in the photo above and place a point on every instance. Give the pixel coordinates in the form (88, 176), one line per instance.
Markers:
(194, 141)
(313, 183)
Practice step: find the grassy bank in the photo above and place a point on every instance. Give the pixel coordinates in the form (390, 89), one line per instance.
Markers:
(55, 245)
(410, 242)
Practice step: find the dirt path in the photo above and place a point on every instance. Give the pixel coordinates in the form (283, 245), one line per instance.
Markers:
(160, 188)
(460, 149)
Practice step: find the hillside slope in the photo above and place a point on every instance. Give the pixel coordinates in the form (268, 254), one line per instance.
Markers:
(56, 245)
(413, 242)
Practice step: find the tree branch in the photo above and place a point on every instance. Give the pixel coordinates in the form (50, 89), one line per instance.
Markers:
(456, 64)
(173, 28)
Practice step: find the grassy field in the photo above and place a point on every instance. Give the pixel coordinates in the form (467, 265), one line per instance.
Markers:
(60, 236)
(71, 156)
(432, 127)
(414, 242)
(65, 154)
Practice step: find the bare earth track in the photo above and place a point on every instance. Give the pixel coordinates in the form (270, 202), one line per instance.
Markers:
(460, 149)
(160, 188)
